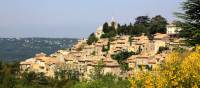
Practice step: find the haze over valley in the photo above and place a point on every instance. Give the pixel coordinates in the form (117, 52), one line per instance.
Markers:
(15, 49)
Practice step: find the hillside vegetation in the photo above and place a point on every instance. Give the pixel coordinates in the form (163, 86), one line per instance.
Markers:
(17, 49)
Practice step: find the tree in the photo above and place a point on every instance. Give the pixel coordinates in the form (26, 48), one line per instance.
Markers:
(106, 81)
(42, 79)
(158, 25)
(8, 79)
(138, 30)
(1, 72)
(29, 77)
(92, 38)
(109, 30)
(161, 49)
(191, 21)
(141, 24)
(123, 55)
(129, 29)
(113, 25)
(130, 40)
(122, 30)
(97, 72)
(120, 57)
(106, 28)
(143, 20)
(118, 30)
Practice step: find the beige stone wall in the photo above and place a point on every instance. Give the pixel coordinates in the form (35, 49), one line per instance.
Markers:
(159, 43)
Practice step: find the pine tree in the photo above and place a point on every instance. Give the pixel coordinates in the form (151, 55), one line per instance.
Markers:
(191, 24)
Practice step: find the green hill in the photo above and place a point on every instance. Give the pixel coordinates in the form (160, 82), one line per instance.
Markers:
(23, 48)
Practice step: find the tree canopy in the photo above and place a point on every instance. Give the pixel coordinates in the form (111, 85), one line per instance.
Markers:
(109, 30)
(121, 57)
(191, 21)
(142, 24)
(92, 38)
(158, 25)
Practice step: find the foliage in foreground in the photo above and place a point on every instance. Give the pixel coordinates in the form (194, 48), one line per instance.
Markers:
(106, 81)
(179, 70)
(101, 80)
(11, 78)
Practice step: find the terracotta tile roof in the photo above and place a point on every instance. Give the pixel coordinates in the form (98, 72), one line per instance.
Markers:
(26, 63)
(106, 64)
(114, 64)
(35, 66)
(131, 59)
(160, 36)
(108, 60)
(69, 57)
(43, 59)
(53, 61)
(142, 57)
(152, 61)
(40, 55)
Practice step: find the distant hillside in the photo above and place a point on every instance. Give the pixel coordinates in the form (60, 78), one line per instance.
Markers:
(23, 48)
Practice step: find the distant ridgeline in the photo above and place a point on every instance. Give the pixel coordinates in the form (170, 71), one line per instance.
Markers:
(17, 49)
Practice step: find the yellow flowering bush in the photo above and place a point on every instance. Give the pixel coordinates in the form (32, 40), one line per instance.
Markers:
(180, 70)
(190, 69)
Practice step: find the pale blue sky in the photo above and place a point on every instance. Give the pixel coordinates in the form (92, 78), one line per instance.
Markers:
(74, 18)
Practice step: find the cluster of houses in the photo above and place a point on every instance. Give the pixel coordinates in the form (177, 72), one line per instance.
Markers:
(84, 57)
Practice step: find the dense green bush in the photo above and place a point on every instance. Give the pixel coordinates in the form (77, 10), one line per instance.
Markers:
(10, 78)
(121, 57)
(92, 39)
(161, 49)
(106, 81)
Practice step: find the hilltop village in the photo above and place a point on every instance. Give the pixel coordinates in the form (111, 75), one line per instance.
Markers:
(144, 53)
